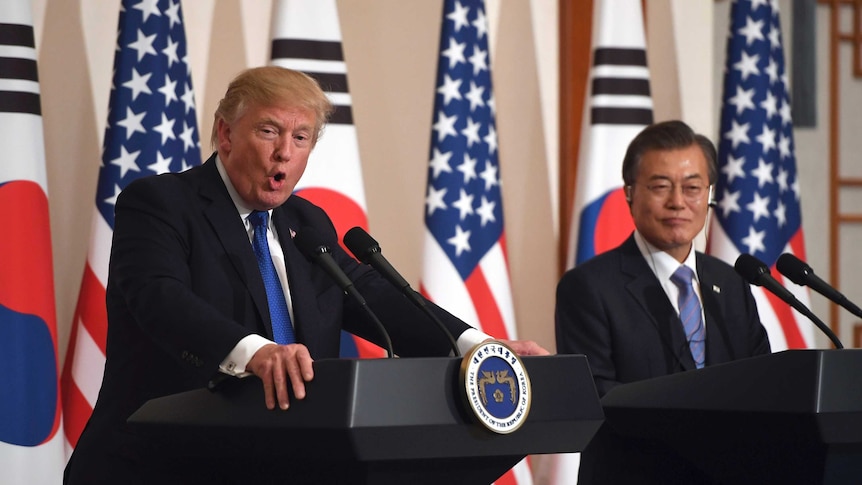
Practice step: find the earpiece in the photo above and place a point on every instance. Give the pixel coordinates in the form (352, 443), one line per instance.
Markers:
(628, 191)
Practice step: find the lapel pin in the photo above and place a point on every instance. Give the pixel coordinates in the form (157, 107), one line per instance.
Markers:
(716, 289)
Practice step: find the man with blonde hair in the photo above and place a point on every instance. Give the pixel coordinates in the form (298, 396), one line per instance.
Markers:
(205, 281)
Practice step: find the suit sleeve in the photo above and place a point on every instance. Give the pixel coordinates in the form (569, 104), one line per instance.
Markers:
(583, 327)
(412, 332)
(151, 278)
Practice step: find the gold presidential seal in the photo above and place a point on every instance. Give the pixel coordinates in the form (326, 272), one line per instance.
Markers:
(496, 386)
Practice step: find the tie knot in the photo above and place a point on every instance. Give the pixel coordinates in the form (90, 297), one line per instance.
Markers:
(683, 276)
(258, 218)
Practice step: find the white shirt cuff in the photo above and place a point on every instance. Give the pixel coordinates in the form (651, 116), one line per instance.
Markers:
(238, 358)
(470, 338)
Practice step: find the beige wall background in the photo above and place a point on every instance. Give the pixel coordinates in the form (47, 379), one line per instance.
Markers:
(391, 51)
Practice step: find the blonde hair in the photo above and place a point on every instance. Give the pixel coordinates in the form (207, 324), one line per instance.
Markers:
(272, 85)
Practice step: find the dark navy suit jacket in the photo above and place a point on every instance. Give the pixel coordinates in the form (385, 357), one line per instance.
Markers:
(614, 310)
(184, 288)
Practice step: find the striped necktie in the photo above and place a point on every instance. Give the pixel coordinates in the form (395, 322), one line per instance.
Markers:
(690, 314)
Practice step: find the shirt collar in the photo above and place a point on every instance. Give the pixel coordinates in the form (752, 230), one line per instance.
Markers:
(241, 208)
(662, 263)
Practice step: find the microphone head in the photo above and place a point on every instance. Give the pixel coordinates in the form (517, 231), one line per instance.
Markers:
(310, 242)
(360, 243)
(794, 268)
(751, 268)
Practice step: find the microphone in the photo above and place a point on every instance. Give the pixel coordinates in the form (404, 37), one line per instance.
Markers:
(800, 273)
(757, 273)
(367, 250)
(311, 244)
(364, 247)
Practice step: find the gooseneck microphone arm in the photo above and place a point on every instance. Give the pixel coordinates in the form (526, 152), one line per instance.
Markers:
(757, 273)
(800, 273)
(311, 244)
(364, 247)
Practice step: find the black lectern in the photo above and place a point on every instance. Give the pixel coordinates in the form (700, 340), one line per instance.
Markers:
(381, 421)
(785, 418)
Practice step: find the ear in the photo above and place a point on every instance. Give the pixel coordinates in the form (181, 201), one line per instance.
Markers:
(223, 131)
(628, 191)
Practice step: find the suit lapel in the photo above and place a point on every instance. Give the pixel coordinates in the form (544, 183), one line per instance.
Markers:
(221, 214)
(717, 344)
(299, 276)
(647, 291)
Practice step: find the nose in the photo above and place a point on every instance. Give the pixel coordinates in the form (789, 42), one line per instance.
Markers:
(677, 196)
(282, 150)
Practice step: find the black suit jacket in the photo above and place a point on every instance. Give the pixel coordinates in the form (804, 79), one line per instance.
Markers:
(184, 288)
(613, 309)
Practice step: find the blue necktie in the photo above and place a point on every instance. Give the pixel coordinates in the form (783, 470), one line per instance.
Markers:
(690, 314)
(282, 329)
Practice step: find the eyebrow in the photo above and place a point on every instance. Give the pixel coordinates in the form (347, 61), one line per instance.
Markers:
(685, 179)
(272, 121)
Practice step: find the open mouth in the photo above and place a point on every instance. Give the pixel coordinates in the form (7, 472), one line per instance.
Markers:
(279, 177)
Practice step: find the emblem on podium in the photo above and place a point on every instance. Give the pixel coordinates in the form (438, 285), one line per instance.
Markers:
(496, 387)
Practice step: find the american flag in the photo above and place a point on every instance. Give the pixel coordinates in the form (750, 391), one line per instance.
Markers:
(306, 36)
(619, 107)
(758, 189)
(464, 267)
(31, 438)
(152, 129)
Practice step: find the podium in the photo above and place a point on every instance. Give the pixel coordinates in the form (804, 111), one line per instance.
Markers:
(375, 421)
(789, 417)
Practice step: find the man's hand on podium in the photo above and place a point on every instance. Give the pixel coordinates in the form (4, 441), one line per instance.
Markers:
(276, 364)
(526, 347)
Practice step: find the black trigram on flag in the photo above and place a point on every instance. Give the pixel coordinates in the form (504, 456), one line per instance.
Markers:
(19, 80)
(620, 87)
(307, 38)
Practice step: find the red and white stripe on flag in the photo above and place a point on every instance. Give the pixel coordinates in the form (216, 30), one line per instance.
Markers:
(619, 106)
(85, 355)
(31, 435)
(465, 268)
(151, 129)
(307, 37)
(758, 189)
